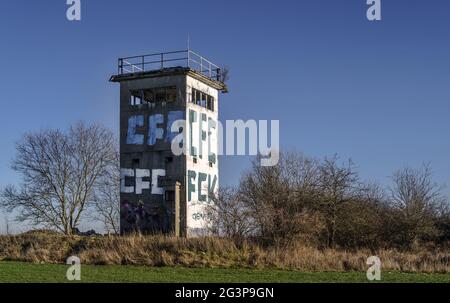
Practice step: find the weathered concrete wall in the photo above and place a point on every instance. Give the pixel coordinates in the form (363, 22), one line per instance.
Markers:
(202, 176)
(151, 173)
(148, 165)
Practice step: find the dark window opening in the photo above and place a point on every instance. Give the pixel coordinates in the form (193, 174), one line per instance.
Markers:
(204, 100)
(151, 95)
(160, 95)
(210, 103)
(171, 94)
(198, 97)
(136, 98)
(135, 163)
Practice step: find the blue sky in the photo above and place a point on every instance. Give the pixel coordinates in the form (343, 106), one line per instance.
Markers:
(378, 92)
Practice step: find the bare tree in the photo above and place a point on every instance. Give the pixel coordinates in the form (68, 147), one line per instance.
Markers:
(416, 200)
(325, 203)
(443, 223)
(338, 185)
(278, 196)
(361, 220)
(60, 173)
(106, 199)
(228, 216)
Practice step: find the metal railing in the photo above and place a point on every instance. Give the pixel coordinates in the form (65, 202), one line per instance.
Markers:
(159, 61)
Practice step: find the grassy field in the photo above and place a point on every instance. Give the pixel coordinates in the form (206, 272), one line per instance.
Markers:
(29, 272)
(211, 252)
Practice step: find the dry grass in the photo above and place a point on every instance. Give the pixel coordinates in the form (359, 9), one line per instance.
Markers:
(208, 252)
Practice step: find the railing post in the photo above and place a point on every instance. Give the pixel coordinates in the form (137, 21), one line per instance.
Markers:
(207, 68)
(188, 58)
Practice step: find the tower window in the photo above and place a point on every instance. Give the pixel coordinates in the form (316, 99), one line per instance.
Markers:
(135, 163)
(136, 98)
(151, 95)
(171, 94)
(160, 95)
(198, 97)
(210, 103)
(202, 99)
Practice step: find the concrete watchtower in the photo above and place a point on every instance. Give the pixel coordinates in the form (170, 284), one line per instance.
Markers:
(168, 141)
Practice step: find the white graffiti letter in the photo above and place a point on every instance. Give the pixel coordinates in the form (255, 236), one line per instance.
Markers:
(155, 174)
(133, 123)
(140, 184)
(212, 141)
(154, 132)
(124, 173)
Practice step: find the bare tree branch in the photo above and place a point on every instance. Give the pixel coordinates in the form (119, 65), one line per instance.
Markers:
(60, 173)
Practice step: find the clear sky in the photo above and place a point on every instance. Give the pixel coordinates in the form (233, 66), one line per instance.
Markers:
(378, 92)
